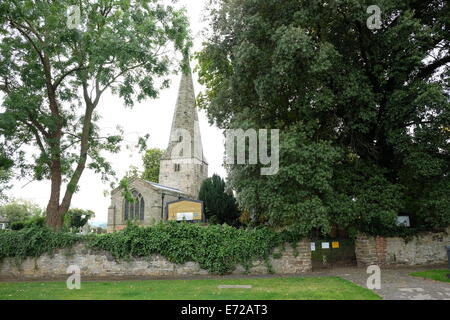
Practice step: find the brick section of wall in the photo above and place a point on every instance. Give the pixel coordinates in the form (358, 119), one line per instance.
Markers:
(380, 248)
(426, 248)
(95, 263)
(365, 249)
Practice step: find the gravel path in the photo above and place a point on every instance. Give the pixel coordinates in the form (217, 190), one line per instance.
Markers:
(397, 284)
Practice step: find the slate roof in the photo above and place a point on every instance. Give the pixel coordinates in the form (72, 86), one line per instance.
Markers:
(161, 187)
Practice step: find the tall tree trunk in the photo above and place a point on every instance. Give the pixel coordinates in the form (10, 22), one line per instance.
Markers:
(56, 209)
(81, 165)
(54, 219)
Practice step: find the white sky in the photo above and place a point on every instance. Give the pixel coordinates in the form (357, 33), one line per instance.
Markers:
(151, 116)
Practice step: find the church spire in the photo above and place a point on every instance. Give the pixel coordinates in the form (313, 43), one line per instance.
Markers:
(185, 139)
(183, 164)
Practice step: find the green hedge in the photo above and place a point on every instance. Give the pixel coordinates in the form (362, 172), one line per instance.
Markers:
(33, 242)
(216, 248)
(28, 223)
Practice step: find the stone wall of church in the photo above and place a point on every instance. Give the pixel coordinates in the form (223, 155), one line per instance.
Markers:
(93, 263)
(188, 179)
(152, 211)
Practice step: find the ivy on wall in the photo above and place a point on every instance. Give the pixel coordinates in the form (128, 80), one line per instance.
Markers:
(33, 242)
(217, 248)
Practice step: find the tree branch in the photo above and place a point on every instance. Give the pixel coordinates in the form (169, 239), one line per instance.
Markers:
(428, 71)
(61, 78)
(121, 74)
(26, 35)
(38, 139)
(38, 125)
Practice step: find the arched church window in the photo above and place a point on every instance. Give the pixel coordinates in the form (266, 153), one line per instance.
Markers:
(134, 210)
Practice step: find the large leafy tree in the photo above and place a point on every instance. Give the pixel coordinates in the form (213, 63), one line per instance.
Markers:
(151, 159)
(363, 113)
(54, 68)
(19, 210)
(219, 203)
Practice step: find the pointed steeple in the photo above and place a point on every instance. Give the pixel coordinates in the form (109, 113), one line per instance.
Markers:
(185, 140)
(183, 164)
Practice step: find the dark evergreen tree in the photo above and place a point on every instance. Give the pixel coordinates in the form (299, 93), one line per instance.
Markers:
(219, 204)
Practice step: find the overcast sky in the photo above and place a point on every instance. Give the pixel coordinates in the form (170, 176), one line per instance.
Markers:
(151, 116)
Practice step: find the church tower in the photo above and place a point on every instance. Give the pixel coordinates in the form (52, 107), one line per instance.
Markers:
(183, 165)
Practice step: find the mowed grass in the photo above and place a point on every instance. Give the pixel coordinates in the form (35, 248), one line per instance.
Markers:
(317, 288)
(439, 275)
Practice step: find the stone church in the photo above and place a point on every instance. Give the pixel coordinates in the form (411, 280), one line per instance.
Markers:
(183, 168)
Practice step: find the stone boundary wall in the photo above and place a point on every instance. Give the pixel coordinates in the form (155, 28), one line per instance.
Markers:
(423, 249)
(94, 263)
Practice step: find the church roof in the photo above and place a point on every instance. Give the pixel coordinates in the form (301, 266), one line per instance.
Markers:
(161, 187)
(152, 184)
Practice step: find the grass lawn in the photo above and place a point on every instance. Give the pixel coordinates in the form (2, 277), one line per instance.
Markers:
(439, 275)
(324, 288)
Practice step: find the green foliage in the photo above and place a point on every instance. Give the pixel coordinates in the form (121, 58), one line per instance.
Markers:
(5, 174)
(33, 242)
(219, 205)
(53, 76)
(216, 248)
(17, 225)
(363, 113)
(75, 219)
(36, 221)
(151, 161)
(20, 210)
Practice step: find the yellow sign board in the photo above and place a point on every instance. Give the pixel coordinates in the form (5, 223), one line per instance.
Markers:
(335, 244)
(189, 210)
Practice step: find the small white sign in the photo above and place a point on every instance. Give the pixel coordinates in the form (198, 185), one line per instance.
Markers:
(313, 246)
(403, 220)
(185, 216)
(325, 245)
